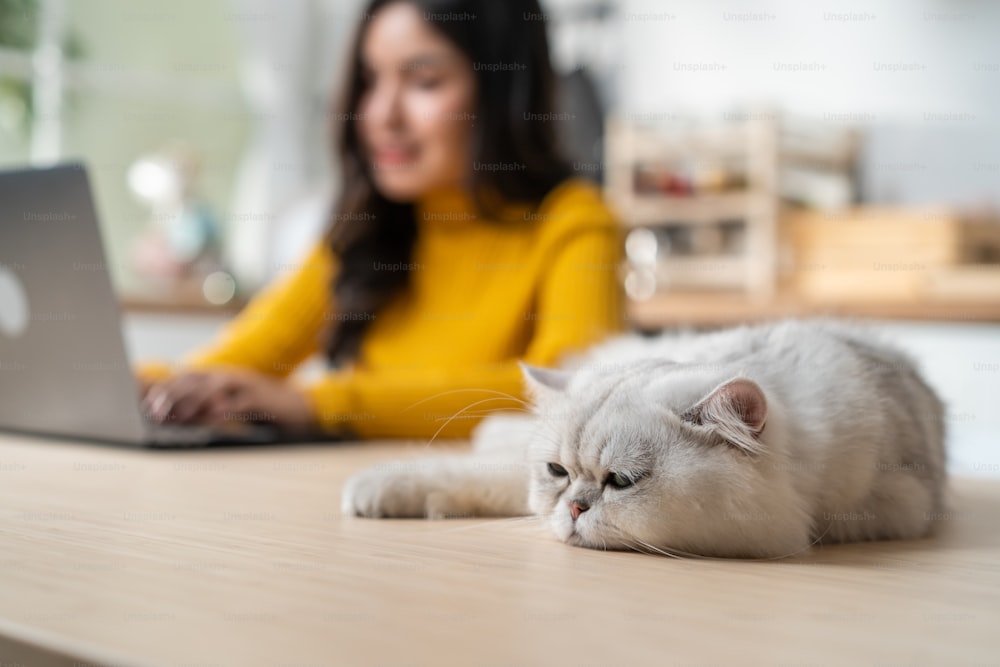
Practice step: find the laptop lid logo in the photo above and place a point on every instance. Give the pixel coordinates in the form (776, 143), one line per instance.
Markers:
(13, 304)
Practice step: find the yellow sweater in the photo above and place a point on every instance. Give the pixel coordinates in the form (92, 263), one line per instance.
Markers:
(444, 353)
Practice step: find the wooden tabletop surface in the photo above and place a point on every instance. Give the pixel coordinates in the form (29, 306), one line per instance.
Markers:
(239, 556)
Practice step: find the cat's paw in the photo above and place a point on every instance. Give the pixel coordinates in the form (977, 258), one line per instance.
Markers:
(382, 492)
(410, 489)
(434, 488)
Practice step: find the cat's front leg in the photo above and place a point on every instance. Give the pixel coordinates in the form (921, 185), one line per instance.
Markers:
(394, 489)
(444, 487)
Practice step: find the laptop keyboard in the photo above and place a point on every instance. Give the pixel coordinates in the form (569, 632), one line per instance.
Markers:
(177, 435)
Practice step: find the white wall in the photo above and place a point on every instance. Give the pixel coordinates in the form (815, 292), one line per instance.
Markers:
(932, 124)
(845, 57)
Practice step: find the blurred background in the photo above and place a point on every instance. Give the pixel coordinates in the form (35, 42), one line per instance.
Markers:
(767, 159)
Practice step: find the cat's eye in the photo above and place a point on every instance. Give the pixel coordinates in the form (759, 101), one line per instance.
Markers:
(557, 470)
(620, 481)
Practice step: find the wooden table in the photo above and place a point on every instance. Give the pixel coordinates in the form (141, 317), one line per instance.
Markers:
(239, 556)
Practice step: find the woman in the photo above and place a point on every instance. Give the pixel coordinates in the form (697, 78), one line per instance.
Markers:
(460, 245)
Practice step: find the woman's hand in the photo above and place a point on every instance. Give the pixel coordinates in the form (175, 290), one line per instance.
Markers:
(221, 397)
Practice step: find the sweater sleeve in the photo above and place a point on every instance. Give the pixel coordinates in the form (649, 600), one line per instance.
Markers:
(581, 298)
(278, 329)
(579, 303)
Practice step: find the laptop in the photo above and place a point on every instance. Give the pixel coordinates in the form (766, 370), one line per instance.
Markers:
(64, 370)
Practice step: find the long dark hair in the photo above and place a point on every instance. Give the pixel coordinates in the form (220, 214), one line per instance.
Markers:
(512, 104)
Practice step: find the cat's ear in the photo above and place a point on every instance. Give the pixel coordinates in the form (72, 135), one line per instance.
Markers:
(544, 382)
(737, 409)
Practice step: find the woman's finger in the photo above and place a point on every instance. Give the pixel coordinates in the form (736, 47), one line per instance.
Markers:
(217, 389)
(157, 402)
(222, 408)
(230, 396)
(186, 396)
(242, 405)
(254, 398)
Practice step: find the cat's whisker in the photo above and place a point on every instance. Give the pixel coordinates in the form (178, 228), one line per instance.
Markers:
(500, 394)
(803, 549)
(633, 543)
(459, 413)
(495, 410)
(649, 548)
(680, 553)
(752, 559)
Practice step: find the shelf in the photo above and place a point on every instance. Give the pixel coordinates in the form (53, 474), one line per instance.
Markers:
(647, 209)
(713, 309)
(650, 145)
(701, 272)
(751, 152)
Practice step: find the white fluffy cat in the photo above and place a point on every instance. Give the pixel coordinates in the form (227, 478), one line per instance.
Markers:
(750, 442)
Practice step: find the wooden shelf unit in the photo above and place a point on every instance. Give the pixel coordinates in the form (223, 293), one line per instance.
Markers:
(853, 261)
(750, 143)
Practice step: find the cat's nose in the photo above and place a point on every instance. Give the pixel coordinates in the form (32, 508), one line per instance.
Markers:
(576, 508)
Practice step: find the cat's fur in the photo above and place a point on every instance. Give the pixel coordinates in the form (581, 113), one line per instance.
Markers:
(751, 442)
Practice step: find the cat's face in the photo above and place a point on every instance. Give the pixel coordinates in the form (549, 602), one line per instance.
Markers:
(639, 457)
